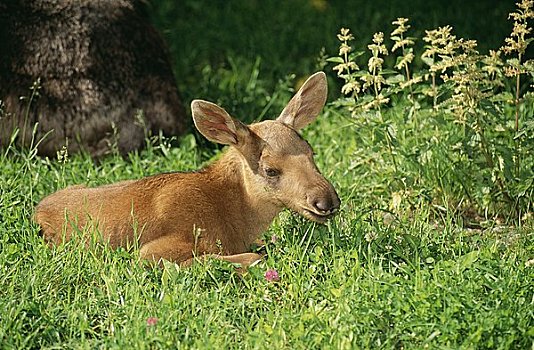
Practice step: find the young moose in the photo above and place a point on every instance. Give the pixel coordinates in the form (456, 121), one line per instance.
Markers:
(218, 211)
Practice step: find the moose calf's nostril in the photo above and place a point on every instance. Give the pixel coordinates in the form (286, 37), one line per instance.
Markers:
(324, 205)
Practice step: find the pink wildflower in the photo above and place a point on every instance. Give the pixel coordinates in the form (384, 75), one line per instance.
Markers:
(151, 321)
(272, 275)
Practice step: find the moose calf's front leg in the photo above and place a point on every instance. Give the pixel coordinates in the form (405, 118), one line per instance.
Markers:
(244, 259)
(170, 248)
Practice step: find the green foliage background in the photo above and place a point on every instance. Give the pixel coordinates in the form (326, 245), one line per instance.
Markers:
(288, 36)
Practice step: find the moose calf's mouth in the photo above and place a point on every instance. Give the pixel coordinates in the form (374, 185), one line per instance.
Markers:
(320, 217)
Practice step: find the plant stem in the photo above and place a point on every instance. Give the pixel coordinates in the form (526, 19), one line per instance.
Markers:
(517, 84)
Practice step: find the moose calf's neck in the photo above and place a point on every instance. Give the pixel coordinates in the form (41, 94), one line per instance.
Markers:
(248, 208)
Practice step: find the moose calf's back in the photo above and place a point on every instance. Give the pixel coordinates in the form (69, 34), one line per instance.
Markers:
(219, 210)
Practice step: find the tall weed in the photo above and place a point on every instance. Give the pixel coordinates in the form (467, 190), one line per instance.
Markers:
(461, 130)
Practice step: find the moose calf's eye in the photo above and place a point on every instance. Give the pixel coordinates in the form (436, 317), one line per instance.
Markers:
(270, 172)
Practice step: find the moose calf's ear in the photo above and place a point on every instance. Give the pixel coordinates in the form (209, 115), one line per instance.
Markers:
(307, 103)
(216, 124)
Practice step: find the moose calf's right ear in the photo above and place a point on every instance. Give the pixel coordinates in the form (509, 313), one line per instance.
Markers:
(307, 103)
(216, 124)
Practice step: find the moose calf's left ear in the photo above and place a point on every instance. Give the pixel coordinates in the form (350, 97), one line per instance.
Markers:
(307, 103)
(216, 124)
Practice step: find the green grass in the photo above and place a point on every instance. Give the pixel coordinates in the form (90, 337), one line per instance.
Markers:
(362, 281)
(399, 267)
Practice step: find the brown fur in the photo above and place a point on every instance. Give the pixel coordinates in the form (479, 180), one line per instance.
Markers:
(220, 210)
(98, 61)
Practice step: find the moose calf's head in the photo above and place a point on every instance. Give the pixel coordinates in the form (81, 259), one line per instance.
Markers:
(278, 163)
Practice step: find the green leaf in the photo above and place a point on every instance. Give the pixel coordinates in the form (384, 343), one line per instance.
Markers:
(268, 329)
(488, 107)
(388, 71)
(395, 79)
(505, 96)
(429, 61)
(336, 292)
(465, 261)
(335, 60)
(355, 55)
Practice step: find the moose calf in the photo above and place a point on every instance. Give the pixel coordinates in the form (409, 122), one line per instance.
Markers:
(218, 211)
